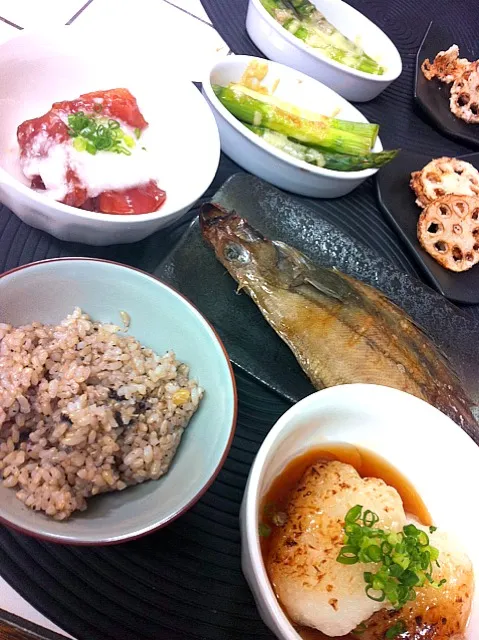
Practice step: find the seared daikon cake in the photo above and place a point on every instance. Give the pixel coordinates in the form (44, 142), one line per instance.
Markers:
(347, 555)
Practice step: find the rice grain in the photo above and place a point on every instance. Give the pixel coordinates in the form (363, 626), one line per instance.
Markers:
(85, 410)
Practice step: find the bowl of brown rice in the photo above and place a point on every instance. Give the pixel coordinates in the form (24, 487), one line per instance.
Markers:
(117, 402)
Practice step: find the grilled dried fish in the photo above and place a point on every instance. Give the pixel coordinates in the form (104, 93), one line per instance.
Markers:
(340, 330)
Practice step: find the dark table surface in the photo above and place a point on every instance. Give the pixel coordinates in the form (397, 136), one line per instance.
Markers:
(405, 21)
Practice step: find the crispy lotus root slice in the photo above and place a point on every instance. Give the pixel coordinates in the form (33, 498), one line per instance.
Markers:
(442, 177)
(446, 67)
(448, 229)
(464, 101)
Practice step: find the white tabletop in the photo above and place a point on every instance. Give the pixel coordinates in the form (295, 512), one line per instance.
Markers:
(196, 50)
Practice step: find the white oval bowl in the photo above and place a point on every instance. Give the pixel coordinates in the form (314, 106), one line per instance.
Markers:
(280, 45)
(161, 319)
(262, 159)
(427, 447)
(37, 69)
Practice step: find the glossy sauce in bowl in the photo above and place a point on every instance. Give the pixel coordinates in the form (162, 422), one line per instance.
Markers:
(367, 464)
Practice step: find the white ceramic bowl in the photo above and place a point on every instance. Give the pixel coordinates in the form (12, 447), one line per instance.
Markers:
(280, 45)
(262, 159)
(37, 69)
(430, 450)
(161, 319)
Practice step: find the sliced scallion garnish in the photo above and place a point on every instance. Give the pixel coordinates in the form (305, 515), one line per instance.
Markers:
(396, 630)
(406, 558)
(94, 134)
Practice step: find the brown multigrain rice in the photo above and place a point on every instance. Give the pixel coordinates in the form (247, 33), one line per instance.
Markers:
(85, 410)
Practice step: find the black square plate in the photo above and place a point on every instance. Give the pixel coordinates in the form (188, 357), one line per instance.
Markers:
(433, 96)
(397, 200)
(251, 343)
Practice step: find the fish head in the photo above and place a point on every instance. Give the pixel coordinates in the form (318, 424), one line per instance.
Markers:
(245, 252)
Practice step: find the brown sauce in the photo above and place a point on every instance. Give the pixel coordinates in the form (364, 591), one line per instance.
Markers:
(367, 464)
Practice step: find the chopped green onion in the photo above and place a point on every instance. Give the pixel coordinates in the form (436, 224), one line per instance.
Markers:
(396, 630)
(350, 528)
(348, 555)
(377, 598)
(404, 558)
(98, 134)
(128, 140)
(386, 548)
(423, 539)
(411, 530)
(374, 553)
(370, 518)
(432, 529)
(123, 150)
(353, 514)
(90, 147)
(79, 143)
(137, 133)
(409, 578)
(263, 530)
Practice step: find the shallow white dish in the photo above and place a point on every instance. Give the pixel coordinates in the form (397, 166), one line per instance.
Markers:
(161, 319)
(278, 44)
(262, 159)
(37, 69)
(430, 450)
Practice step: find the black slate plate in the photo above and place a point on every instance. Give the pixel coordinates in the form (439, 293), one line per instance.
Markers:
(251, 343)
(433, 96)
(398, 202)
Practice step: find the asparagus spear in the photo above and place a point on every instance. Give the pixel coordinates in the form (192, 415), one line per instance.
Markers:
(362, 128)
(322, 157)
(311, 132)
(295, 149)
(303, 20)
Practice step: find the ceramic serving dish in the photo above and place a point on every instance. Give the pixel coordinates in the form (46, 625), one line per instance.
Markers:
(395, 425)
(161, 319)
(433, 96)
(278, 44)
(37, 69)
(264, 160)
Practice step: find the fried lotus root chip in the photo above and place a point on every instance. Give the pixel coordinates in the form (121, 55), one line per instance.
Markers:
(448, 229)
(464, 101)
(444, 176)
(446, 67)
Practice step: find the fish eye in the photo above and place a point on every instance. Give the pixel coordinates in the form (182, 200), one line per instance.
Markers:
(236, 253)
